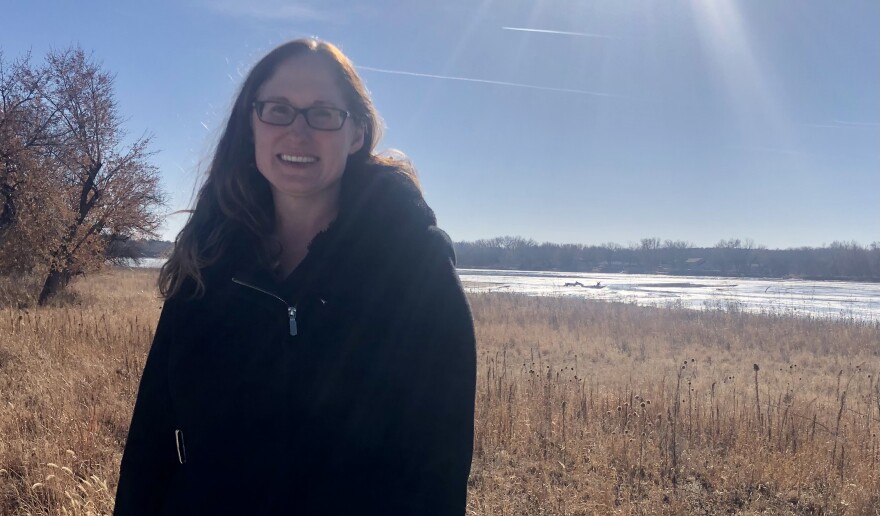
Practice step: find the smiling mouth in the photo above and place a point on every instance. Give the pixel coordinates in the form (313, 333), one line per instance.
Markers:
(290, 158)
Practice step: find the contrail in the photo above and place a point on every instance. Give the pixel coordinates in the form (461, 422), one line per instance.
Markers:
(826, 126)
(860, 124)
(562, 32)
(486, 81)
(771, 149)
(841, 124)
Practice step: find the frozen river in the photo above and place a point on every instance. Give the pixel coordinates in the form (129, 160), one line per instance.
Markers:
(831, 299)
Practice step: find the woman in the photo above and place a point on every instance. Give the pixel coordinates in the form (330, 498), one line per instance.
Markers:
(316, 353)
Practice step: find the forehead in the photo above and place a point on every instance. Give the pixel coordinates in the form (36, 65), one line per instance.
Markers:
(303, 80)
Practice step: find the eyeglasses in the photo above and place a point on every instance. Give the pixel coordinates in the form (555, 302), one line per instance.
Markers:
(317, 117)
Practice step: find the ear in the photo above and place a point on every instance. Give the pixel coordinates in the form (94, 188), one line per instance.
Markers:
(357, 139)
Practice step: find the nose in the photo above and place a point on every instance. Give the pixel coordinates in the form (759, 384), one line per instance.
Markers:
(299, 124)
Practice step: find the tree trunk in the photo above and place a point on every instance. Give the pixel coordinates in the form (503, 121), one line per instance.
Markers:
(55, 282)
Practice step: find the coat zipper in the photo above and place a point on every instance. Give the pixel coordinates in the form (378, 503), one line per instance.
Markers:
(291, 310)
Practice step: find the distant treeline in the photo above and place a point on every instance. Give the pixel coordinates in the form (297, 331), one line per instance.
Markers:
(734, 257)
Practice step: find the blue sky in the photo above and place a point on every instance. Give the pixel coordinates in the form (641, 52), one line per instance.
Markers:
(682, 119)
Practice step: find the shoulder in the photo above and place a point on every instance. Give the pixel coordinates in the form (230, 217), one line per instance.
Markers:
(435, 244)
(382, 213)
(386, 225)
(194, 291)
(381, 193)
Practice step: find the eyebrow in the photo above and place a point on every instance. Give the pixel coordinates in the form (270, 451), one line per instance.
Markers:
(315, 103)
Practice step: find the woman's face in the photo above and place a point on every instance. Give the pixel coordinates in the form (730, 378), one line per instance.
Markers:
(302, 163)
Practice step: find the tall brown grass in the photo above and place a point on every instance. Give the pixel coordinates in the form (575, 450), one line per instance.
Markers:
(583, 407)
(68, 377)
(592, 408)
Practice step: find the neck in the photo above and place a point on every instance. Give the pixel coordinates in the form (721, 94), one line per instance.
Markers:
(298, 221)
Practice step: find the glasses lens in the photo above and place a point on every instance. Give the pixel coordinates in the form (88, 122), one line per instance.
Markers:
(276, 113)
(328, 119)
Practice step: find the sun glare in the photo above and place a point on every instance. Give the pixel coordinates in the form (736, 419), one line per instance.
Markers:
(736, 64)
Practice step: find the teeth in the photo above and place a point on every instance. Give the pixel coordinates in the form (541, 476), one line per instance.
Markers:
(298, 159)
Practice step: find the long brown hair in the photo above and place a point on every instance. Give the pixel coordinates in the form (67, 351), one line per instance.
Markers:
(234, 211)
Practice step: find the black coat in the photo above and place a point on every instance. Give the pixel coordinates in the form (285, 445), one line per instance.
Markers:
(366, 409)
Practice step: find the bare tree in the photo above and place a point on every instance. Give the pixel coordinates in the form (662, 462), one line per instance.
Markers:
(29, 130)
(63, 140)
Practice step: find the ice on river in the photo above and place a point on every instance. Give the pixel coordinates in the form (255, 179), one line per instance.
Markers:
(826, 299)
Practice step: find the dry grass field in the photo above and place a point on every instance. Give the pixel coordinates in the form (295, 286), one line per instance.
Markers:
(583, 407)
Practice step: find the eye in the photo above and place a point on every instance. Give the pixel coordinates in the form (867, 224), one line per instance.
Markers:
(321, 113)
(278, 109)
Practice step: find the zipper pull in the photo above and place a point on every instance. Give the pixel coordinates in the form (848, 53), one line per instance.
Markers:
(291, 312)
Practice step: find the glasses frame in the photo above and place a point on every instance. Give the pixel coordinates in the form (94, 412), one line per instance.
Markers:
(259, 105)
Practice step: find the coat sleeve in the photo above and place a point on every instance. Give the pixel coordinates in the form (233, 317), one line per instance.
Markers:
(439, 326)
(150, 455)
